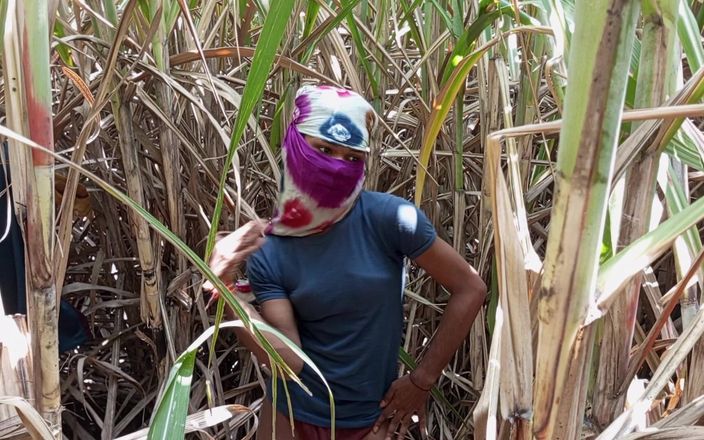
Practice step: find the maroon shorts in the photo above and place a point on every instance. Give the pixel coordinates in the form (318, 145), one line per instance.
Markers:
(306, 431)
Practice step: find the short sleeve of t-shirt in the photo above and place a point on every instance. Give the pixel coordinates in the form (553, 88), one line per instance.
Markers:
(406, 228)
(263, 277)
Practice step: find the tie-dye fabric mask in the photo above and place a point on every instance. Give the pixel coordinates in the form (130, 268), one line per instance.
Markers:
(317, 190)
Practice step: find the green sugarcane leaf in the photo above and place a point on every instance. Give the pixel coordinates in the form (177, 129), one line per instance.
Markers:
(170, 416)
(616, 271)
(489, 12)
(311, 16)
(269, 41)
(341, 15)
(690, 37)
(440, 110)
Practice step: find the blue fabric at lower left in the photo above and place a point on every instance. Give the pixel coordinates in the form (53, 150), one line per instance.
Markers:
(74, 329)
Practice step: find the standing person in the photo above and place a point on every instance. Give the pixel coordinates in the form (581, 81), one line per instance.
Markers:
(330, 277)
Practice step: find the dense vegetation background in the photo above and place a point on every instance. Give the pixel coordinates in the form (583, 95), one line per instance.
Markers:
(510, 123)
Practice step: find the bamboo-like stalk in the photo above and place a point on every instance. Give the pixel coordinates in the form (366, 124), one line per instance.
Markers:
(485, 414)
(33, 16)
(26, 69)
(688, 246)
(570, 416)
(169, 144)
(129, 149)
(659, 32)
(516, 354)
(150, 310)
(598, 69)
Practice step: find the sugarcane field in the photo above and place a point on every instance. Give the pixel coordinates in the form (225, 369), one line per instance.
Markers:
(352, 219)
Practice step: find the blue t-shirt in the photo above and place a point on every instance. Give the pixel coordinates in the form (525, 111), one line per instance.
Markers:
(346, 288)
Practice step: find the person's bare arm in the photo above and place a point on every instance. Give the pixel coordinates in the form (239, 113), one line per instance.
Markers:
(228, 253)
(278, 313)
(408, 394)
(468, 292)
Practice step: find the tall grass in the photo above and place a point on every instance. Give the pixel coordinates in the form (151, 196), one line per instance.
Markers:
(503, 120)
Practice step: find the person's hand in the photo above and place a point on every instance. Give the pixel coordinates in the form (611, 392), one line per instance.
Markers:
(233, 249)
(403, 400)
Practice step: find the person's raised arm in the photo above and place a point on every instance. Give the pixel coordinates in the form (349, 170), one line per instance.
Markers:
(228, 253)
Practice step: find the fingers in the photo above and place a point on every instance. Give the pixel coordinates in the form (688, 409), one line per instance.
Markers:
(378, 423)
(387, 411)
(389, 396)
(253, 228)
(403, 429)
(236, 244)
(386, 414)
(247, 233)
(399, 423)
(390, 429)
(224, 266)
(422, 425)
(228, 254)
(232, 248)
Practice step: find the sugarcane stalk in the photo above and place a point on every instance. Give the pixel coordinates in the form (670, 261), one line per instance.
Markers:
(659, 32)
(129, 149)
(129, 145)
(26, 69)
(39, 236)
(516, 353)
(169, 144)
(488, 106)
(598, 70)
(570, 417)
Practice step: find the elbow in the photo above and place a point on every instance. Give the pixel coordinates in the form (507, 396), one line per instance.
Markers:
(473, 294)
(481, 290)
(294, 363)
(297, 366)
(294, 366)
(473, 289)
(476, 286)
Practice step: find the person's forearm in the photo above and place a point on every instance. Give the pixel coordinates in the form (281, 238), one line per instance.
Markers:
(460, 312)
(247, 339)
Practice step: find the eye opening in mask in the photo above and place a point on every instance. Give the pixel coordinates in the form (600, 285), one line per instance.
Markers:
(335, 151)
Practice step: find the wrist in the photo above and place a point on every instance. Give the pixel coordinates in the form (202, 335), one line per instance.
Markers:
(422, 379)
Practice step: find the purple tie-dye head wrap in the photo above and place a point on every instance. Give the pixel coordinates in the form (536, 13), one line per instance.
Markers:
(318, 190)
(337, 115)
